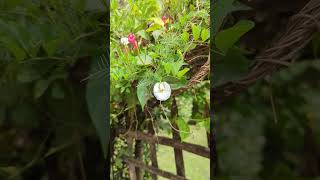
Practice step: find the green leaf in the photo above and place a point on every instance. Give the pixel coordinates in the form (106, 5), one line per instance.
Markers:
(114, 5)
(58, 74)
(221, 8)
(228, 37)
(51, 46)
(143, 34)
(157, 20)
(57, 91)
(156, 34)
(205, 34)
(185, 36)
(143, 93)
(98, 102)
(12, 36)
(154, 27)
(40, 87)
(182, 72)
(175, 66)
(183, 20)
(190, 47)
(144, 59)
(13, 47)
(28, 75)
(167, 67)
(183, 128)
(178, 85)
(196, 30)
(231, 67)
(175, 83)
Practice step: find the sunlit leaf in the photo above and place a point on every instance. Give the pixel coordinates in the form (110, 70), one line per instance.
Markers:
(182, 72)
(156, 34)
(185, 36)
(196, 30)
(143, 34)
(205, 34)
(144, 59)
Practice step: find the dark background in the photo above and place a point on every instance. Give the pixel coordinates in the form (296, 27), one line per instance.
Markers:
(46, 51)
(271, 130)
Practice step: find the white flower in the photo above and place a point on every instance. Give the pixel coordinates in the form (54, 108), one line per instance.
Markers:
(124, 41)
(162, 91)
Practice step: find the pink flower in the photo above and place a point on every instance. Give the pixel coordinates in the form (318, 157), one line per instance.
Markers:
(164, 19)
(132, 40)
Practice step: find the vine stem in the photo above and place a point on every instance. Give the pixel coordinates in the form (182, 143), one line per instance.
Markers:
(273, 104)
(139, 54)
(170, 122)
(154, 129)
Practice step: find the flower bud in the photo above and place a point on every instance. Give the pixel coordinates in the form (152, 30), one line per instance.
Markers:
(132, 40)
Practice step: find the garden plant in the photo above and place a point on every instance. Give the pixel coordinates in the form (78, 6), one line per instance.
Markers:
(159, 66)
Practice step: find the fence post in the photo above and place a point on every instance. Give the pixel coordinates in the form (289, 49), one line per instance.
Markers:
(138, 156)
(178, 154)
(132, 168)
(206, 114)
(153, 152)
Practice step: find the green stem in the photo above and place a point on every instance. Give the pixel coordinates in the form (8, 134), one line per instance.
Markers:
(139, 55)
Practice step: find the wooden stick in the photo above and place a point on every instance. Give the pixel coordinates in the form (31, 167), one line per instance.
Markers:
(152, 169)
(138, 152)
(153, 152)
(193, 148)
(132, 169)
(178, 154)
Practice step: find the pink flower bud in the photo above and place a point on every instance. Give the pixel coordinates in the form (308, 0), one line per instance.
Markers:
(135, 45)
(132, 40)
(164, 19)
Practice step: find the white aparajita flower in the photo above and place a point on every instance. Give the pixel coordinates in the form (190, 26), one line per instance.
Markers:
(124, 41)
(162, 91)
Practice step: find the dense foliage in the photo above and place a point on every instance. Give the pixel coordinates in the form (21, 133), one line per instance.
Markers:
(271, 130)
(159, 35)
(46, 48)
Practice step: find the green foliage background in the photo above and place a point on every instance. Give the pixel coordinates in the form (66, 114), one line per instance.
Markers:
(46, 48)
(255, 139)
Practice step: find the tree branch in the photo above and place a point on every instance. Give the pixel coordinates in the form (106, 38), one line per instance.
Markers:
(299, 32)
